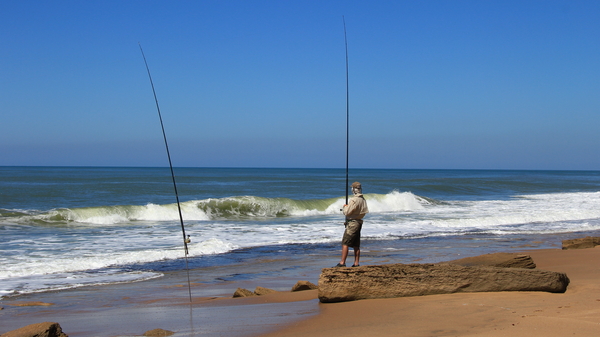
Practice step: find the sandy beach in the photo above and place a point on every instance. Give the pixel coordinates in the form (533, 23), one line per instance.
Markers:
(576, 312)
(132, 309)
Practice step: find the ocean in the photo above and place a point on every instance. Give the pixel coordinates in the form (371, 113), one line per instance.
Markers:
(70, 227)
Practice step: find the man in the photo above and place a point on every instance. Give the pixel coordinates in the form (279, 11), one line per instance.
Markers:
(354, 212)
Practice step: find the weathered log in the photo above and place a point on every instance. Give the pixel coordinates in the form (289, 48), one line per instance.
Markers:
(502, 260)
(401, 280)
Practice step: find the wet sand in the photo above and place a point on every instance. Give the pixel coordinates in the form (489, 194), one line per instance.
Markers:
(131, 309)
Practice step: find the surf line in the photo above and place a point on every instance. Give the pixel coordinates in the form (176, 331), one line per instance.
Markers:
(347, 110)
(186, 239)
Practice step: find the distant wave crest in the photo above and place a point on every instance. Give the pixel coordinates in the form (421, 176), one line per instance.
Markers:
(228, 208)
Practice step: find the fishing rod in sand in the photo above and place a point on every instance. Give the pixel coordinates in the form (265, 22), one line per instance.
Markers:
(186, 239)
(347, 110)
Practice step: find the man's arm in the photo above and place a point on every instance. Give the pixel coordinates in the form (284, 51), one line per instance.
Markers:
(350, 208)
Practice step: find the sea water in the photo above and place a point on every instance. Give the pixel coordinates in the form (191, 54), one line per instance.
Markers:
(67, 227)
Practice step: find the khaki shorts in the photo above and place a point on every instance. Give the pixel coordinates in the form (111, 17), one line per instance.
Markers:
(352, 233)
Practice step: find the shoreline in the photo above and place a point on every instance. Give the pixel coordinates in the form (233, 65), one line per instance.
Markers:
(130, 309)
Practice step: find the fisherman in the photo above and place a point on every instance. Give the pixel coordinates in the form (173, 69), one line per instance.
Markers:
(354, 212)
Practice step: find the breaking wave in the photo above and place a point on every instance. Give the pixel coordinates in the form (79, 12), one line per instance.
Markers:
(237, 207)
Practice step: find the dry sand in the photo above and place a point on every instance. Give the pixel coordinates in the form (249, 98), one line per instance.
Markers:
(574, 313)
(100, 312)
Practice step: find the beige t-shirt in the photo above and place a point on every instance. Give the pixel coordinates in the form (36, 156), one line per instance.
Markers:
(357, 208)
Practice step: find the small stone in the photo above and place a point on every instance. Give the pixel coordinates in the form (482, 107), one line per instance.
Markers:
(241, 292)
(304, 285)
(31, 304)
(158, 333)
(263, 291)
(45, 329)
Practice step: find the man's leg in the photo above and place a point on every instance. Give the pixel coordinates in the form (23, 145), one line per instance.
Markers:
(344, 254)
(356, 256)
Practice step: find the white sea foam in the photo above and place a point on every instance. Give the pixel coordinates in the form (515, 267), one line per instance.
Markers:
(395, 202)
(109, 215)
(189, 211)
(542, 213)
(59, 268)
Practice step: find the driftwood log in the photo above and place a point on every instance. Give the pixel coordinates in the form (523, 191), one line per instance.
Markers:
(401, 280)
(502, 260)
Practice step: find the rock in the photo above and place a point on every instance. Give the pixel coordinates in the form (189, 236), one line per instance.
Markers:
(304, 285)
(400, 280)
(158, 333)
(241, 292)
(502, 260)
(46, 329)
(31, 304)
(587, 242)
(263, 291)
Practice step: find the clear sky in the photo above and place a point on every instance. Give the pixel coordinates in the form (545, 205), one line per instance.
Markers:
(433, 84)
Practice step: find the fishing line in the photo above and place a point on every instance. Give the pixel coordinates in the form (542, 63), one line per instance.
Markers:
(185, 239)
(347, 110)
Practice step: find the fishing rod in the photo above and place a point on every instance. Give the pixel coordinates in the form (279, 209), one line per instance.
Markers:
(186, 240)
(347, 110)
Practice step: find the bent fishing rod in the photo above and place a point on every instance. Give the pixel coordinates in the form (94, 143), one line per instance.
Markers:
(185, 239)
(347, 110)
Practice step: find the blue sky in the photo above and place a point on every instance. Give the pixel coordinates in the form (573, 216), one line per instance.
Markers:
(433, 84)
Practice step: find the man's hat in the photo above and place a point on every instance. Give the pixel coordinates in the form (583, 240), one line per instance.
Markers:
(356, 184)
